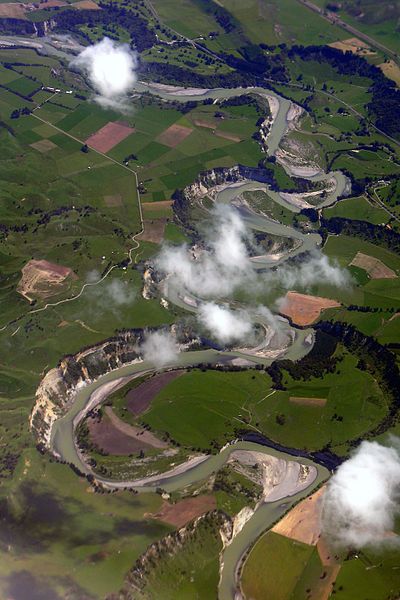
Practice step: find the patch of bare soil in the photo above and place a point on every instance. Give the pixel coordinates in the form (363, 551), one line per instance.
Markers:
(185, 510)
(136, 433)
(153, 230)
(86, 5)
(140, 398)
(391, 70)
(303, 309)
(43, 145)
(52, 4)
(375, 268)
(206, 124)
(155, 206)
(228, 136)
(108, 438)
(12, 10)
(353, 45)
(42, 279)
(302, 523)
(174, 135)
(110, 134)
(308, 401)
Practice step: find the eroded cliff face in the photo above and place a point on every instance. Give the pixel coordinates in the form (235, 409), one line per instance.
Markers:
(57, 389)
(170, 545)
(208, 181)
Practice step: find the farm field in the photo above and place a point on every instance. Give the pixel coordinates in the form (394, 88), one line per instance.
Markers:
(277, 22)
(349, 404)
(358, 208)
(220, 400)
(377, 583)
(299, 569)
(344, 248)
(244, 400)
(380, 294)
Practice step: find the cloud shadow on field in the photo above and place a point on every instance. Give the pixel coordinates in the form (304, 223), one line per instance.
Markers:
(22, 585)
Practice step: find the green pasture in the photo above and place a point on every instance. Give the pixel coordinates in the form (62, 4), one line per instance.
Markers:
(187, 57)
(344, 248)
(358, 208)
(278, 21)
(369, 323)
(24, 86)
(26, 56)
(234, 491)
(354, 404)
(210, 405)
(389, 332)
(364, 163)
(389, 193)
(190, 20)
(373, 574)
(280, 568)
(7, 75)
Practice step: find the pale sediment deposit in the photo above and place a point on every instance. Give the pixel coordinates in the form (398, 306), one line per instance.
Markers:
(278, 477)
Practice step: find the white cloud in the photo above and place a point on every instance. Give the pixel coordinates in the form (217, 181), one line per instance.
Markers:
(224, 324)
(218, 270)
(362, 498)
(111, 70)
(160, 348)
(316, 269)
(225, 264)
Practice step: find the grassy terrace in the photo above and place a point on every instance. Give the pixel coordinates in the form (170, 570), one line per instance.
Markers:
(202, 410)
(358, 208)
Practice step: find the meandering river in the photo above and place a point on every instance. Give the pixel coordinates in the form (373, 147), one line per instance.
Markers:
(63, 441)
(64, 445)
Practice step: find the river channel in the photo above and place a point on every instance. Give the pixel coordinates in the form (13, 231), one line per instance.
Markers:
(63, 442)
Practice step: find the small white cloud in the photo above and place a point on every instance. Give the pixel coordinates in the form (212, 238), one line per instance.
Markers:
(111, 70)
(316, 269)
(160, 348)
(224, 324)
(222, 267)
(362, 498)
